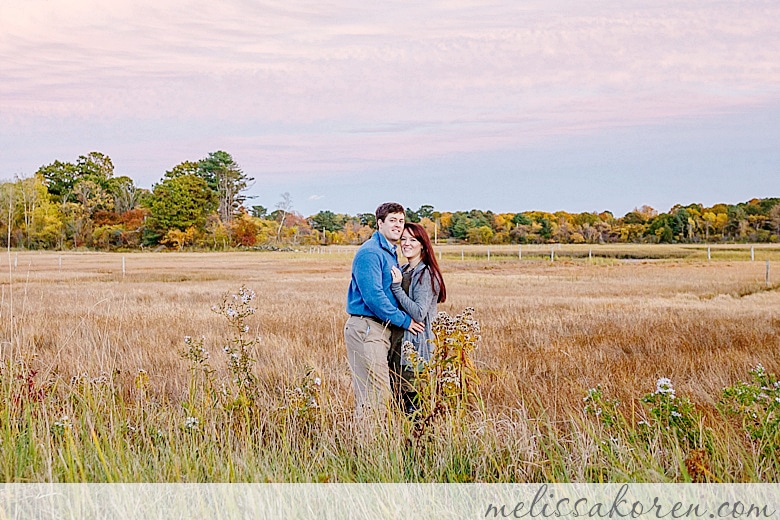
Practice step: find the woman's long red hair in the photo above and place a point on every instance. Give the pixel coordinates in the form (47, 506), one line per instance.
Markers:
(428, 257)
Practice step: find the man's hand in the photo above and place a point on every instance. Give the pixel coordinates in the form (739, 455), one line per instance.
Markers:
(416, 327)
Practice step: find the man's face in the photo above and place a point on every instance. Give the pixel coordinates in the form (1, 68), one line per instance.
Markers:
(392, 226)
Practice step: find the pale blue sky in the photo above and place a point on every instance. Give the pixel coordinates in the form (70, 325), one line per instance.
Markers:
(509, 106)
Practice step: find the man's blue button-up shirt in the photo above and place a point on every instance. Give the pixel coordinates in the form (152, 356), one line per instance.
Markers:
(369, 291)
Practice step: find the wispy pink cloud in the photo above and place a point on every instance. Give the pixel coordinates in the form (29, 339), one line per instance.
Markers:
(350, 84)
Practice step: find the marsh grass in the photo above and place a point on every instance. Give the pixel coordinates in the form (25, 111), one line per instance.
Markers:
(97, 386)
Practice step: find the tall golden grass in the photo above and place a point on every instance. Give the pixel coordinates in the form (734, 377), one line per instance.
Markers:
(550, 332)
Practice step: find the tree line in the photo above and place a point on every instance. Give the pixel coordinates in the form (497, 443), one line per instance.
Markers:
(201, 204)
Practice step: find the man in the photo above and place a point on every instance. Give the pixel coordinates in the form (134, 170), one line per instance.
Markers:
(372, 308)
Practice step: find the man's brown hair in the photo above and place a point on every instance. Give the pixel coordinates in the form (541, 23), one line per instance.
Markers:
(388, 207)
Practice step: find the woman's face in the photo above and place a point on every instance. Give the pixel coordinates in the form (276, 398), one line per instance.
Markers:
(410, 246)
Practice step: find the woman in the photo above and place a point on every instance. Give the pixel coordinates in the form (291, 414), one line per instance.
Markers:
(418, 286)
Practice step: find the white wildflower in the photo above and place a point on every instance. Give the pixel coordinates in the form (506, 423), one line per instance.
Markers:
(62, 425)
(247, 295)
(664, 386)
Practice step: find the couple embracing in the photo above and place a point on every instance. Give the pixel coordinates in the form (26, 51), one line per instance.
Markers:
(388, 305)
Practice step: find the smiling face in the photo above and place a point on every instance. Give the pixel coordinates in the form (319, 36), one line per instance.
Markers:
(392, 226)
(411, 247)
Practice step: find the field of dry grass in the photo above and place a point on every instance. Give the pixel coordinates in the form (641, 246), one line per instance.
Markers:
(550, 331)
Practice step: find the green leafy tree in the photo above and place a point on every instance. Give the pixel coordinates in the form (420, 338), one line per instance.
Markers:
(224, 176)
(327, 221)
(679, 222)
(662, 228)
(59, 178)
(259, 211)
(460, 226)
(183, 168)
(481, 218)
(96, 167)
(62, 178)
(546, 230)
(367, 219)
(521, 219)
(179, 203)
(426, 211)
(633, 217)
(737, 220)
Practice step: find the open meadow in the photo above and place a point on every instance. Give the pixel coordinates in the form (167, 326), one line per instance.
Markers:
(133, 367)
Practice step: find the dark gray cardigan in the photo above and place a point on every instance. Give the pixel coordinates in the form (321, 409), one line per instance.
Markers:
(420, 304)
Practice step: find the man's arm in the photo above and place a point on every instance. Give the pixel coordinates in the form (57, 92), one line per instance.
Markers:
(368, 276)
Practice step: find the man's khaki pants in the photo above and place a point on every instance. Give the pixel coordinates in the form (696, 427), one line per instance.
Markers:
(368, 342)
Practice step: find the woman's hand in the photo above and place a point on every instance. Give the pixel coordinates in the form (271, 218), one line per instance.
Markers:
(397, 275)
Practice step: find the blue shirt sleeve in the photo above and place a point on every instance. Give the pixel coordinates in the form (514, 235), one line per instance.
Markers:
(369, 277)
